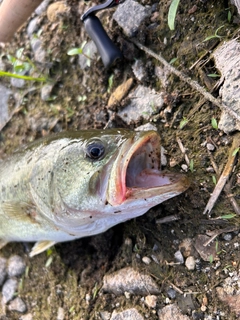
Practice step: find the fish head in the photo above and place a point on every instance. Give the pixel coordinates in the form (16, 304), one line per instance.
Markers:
(107, 177)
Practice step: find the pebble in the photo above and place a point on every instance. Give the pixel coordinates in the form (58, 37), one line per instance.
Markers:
(37, 48)
(227, 236)
(16, 266)
(129, 314)
(3, 269)
(56, 9)
(8, 290)
(190, 263)
(210, 147)
(171, 293)
(17, 305)
(144, 102)
(60, 314)
(129, 280)
(42, 7)
(46, 91)
(184, 167)
(18, 83)
(179, 257)
(151, 301)
(146, 260)
(32, 27)
(172, 311)
(139, 70)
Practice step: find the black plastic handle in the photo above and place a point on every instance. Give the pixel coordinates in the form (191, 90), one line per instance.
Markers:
(106, 48)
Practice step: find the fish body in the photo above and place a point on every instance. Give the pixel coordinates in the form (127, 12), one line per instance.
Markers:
(77, 184)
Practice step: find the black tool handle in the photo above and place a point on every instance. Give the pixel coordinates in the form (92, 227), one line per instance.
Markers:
(106, 48)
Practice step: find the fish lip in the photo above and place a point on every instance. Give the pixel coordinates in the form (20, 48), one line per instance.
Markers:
(146, 147)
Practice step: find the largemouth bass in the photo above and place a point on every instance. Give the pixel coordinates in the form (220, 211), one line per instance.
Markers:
(78, 184)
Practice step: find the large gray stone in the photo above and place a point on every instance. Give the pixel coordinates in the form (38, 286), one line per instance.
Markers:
(227, 59)
(130, 15)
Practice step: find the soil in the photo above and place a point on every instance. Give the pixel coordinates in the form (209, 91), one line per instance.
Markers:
(77, 268)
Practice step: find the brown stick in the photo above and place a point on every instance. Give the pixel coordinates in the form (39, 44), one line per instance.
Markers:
(13, 13)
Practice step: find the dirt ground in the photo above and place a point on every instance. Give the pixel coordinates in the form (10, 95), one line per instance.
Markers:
(78, 267)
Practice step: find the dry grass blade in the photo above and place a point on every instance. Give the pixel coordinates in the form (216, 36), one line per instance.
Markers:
(224, 176)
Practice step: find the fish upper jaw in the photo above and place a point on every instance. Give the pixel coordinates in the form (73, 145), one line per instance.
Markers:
(136, 174)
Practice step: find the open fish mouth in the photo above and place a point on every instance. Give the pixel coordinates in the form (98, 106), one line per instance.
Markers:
(136, 172)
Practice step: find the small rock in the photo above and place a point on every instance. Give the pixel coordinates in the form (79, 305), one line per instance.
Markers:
(56, 9)
(146, 127)
(144, 103)
(127, 20)
(146, 260)
(190, 263)
(151, 301)
(186, 247)
(179, 257)
(129, 280)
(171, 311)
(227, 236)
(32, 26)
(230, 89)
(210, 147)
(206, 252)
(37, 48)
(42, 7)
(171, 293)
(46, 91)
(17, 305)
(105, 315)
(120, 92)
(60, 314)
(8, 290)
(17, 83)
(139, 70)
(16, 266)
(129, 314)
(184, 167)
(3, 269)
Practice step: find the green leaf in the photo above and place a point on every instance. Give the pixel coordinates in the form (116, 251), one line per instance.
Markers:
(235, 151)
(19, 53)
(214, 75)
(214, 180)
(173, 60)
(214, 123)
(228, 216)
(18, 76)
(74, 51)
(191, 165)
(183, 123)
(172, 14)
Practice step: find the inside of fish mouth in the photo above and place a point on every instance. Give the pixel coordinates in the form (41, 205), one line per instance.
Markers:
(143, 170)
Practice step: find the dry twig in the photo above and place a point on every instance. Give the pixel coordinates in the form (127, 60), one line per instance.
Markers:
(224, 176)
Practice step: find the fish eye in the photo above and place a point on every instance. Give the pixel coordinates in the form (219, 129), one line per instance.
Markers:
(95, 150)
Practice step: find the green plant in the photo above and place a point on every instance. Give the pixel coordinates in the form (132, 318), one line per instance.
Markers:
(191, 165)
(21, 65)
(183, 123)
(214, 123)
(215, 35)
(76, 51)
(172, 14)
